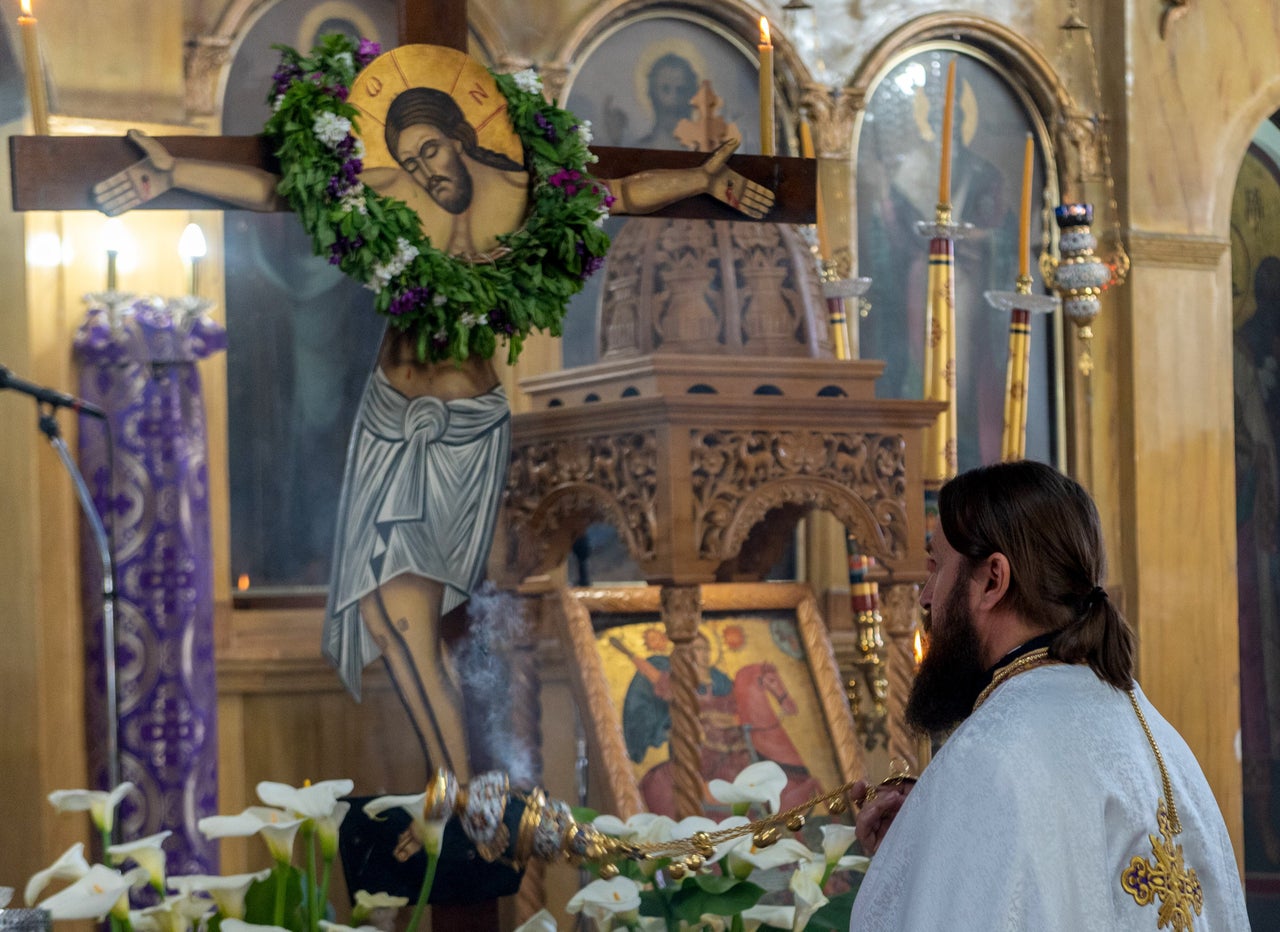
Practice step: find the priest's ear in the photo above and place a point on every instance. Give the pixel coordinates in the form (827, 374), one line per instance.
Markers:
(992, 579)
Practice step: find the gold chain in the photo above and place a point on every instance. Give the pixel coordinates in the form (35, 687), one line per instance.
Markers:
(1175, 826)
(1036, 658)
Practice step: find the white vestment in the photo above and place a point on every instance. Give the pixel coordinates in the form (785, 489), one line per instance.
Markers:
(420, 495)
(1032, 809)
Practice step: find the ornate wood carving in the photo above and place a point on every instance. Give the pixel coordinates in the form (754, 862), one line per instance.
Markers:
(901, 613)
(831, 694)
(1176, 250)
(681, 613)
(740, 476)
(556, 488)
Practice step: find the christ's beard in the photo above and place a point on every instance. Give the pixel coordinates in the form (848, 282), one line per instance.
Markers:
(452, 192)
(951, 675)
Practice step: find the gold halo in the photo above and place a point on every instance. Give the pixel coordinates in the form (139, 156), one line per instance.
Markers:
(457, 74)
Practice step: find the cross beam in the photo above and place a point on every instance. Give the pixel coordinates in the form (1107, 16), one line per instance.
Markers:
(58, 173)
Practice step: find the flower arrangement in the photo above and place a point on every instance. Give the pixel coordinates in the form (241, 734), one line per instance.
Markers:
(449, 306)
(739, 885)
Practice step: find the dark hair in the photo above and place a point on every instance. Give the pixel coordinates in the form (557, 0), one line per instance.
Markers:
(688, 76)
(1047, 527)
(419, 105)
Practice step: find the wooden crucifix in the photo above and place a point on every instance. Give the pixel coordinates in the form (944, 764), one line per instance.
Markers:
(59, 173)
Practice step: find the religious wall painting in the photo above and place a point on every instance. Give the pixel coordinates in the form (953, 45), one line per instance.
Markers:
(299, 332)
(1255, 294)
(641, 83)
(897, 159)
(768, 690)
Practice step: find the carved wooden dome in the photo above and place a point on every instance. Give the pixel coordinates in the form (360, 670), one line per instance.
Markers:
(711, 287)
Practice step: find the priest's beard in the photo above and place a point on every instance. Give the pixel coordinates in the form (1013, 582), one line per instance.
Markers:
(951, 675)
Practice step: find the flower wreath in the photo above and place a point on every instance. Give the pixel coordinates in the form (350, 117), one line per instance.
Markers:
(450, 307)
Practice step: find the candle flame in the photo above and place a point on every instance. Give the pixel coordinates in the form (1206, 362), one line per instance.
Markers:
(918, 648)
(765, 38)
(26, 7)
(243, 582)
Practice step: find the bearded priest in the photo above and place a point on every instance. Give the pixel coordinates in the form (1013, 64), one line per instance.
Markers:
(1062, 800)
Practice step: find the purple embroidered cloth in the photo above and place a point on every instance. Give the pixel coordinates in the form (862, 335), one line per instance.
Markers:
(150, 483)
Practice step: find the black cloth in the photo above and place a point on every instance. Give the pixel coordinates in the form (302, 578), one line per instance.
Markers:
(367, 849)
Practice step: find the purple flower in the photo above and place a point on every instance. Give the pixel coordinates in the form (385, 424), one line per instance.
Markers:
(566, 179)
(408, 300)
(368, 51)
(342, 246)
(286, 74)
(591, 266)
(499, 321)
(545, 125)
(338, 91)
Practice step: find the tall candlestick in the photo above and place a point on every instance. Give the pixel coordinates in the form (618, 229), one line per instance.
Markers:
(944, 173)
(766, 88)
(34, 70)
(1024, 214)
(806, 149)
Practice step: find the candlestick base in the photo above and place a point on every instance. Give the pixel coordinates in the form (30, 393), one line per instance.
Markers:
(1013, 300)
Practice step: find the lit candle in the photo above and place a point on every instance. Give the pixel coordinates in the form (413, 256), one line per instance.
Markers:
(192, 248)
(766, 88)
(944, 175)
(1024, 214)
(35, 70)
(114, 237)
(806, 149)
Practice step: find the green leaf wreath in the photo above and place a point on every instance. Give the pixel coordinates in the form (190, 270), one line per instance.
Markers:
(451, 308)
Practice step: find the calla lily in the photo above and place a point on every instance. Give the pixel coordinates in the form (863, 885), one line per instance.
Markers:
(368, 903)
(175, 914)
(836, 839)
(327, 926)
(277, 828)
(744, 857)
(541, 921)
(806, 889)
(70, 866)
(97, 893)
(100, 804)
(227, 892)
(607, 900)
(239, 925)
(145, 852)
(853, 862)
(691, 825)
(429, 831)
(760, 783)
(780, 917)
(316, 801)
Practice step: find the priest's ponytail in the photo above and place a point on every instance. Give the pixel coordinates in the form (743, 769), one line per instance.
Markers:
(1047, 526)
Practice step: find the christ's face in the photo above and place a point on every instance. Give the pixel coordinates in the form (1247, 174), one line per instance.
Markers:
(434, 161)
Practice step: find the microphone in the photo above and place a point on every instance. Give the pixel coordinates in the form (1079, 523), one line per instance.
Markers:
(49, 396)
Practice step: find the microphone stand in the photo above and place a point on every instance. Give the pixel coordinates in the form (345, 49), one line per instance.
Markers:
(49, 427)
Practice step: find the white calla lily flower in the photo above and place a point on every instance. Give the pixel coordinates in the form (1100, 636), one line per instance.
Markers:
(806, 889)
(145, 852)
(97, 893)
(316, 801)
(276, 827)
(368, 903)
(761, 783)
(327, 926)
(541, 921)
(239, 925)
(836, 839)
(430, 831)
(691, 825)
(100, 804)
(853, 862)
(744, 857)
(70, 866)
(605, 900)
(175, 914)
(228, 892)
(780, 917)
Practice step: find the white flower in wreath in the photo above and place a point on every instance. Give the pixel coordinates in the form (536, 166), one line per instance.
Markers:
(345, 59)
(471, 319)
(330, 128)
(528, 81)
(353, 201)
(584, 132)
